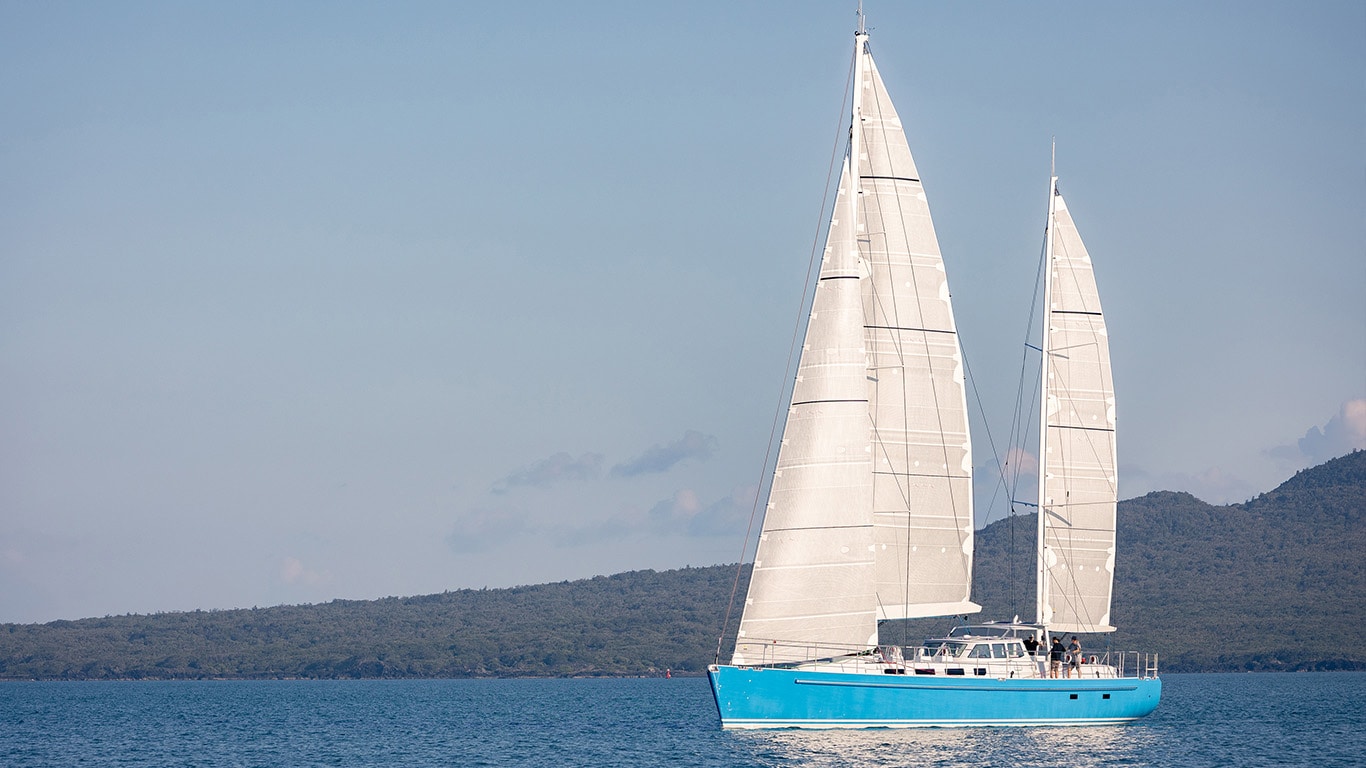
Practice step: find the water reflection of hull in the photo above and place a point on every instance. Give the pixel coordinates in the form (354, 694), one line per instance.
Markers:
(790, 698)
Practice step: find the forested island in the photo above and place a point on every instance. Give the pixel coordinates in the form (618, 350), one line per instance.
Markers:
(1275, 583)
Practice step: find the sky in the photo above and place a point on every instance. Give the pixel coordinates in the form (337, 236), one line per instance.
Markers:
(306, 301)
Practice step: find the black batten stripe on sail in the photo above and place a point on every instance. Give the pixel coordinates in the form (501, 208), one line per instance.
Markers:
(906, 328)
(814, 402)
(839, 277)
(1088, 429)
(892, 178)
(1074, 312)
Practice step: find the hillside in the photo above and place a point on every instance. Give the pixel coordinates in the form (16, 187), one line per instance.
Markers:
(1276, 583)
(637, 623)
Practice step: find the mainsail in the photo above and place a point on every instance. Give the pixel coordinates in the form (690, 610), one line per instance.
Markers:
(1078, 488)
(869, 513)
(922, 456)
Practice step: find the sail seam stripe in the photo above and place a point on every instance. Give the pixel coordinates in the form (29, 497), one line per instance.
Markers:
(813, 402)
(822, 528)
(892, 178)
(919, 474)
(1075, 312)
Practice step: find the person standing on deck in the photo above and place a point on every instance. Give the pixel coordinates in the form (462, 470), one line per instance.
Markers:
(1055, 655)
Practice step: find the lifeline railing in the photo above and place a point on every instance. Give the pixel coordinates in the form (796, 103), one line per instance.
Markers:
(1134, 663)
(772, 653)
(1110, 664)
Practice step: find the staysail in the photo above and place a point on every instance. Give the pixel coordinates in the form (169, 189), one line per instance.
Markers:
(1079, 488)
(812, 582)
(869, 513)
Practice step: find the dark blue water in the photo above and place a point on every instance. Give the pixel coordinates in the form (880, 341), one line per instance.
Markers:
(1204, 720)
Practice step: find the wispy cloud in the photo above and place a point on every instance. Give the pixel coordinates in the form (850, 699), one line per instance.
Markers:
(684, 514)
(662, 458)
(479, 530)
(1214, 485)
(681, 515)
(996, 487)
(553, 470)
(293, 571)
(726, 516)
(1344, 433)
(673, 514)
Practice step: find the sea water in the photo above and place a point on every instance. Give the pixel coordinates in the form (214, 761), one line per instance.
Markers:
(1312, 719)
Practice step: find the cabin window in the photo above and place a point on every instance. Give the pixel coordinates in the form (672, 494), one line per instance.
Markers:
(943, 649)
(1073, 696)
(980, 631)
(998, 650)
(1015, 650)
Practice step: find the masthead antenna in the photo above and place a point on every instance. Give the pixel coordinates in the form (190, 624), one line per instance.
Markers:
(861, 29)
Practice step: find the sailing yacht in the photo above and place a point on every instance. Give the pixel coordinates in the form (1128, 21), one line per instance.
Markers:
(869, 515)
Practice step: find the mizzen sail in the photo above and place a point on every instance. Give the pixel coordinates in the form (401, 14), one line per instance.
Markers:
(1079, 489)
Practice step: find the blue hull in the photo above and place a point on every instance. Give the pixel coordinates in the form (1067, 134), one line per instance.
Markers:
(789, 698)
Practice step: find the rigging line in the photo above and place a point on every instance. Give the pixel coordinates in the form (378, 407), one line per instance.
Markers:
(1019, 426)
(978, 396)
(791, 351)
(1008, 482)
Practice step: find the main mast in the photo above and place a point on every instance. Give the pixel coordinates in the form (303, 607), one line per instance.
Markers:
(1042, 612)
(860, 40)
